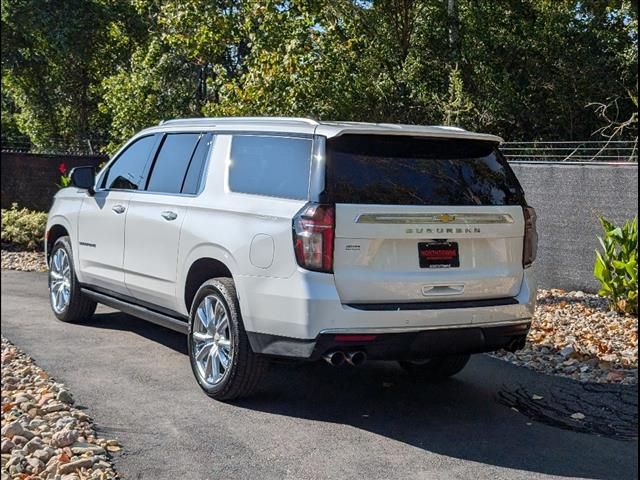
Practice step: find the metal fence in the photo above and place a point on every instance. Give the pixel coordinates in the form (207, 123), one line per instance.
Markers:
(57, 146)
(586, 151)
(539, 151)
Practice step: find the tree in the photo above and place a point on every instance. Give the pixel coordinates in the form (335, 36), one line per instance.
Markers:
(524, 69)
(54, 56)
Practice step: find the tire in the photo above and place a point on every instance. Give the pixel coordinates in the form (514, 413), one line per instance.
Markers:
(228, 341)
(67, 301)
(436, 368)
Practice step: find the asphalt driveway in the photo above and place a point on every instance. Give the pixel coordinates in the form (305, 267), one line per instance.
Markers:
(308, 421)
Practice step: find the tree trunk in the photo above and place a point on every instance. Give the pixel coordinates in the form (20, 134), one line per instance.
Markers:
(454, 30)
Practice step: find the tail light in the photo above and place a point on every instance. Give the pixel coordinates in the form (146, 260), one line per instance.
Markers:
(313, 232)
(530, 249)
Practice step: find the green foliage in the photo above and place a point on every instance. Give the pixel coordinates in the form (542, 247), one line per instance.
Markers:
(23, 228)
(527, 70)
(54, 58)
(457, 105)
(616, 266)
(65, 181)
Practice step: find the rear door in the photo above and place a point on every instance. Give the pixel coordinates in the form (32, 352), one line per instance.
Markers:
(423, 219)
(155, 218)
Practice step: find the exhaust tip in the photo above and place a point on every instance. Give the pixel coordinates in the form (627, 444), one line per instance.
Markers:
(356, 358)
(335, 359)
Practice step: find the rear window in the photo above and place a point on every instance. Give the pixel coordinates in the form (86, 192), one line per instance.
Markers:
(270, 165)
(400, 170)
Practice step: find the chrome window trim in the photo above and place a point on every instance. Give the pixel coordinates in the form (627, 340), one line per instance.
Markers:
(435, 218)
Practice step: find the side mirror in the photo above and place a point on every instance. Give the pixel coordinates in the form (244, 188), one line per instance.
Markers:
(83, 177)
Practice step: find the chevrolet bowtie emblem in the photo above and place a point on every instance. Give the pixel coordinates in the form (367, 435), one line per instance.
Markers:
(445, 218)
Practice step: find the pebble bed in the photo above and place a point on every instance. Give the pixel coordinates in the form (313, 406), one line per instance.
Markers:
(43, 435)
(573, 334)
(23, 261)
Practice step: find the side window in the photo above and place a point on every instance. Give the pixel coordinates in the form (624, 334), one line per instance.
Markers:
(128, 172)
(172, 161)
(192, 180)
(270, 165)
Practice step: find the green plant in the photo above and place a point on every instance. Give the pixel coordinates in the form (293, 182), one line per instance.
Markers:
(616, 266)
(23, 228)
(65, 178)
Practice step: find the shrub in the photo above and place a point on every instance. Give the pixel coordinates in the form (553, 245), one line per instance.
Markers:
(23, 228)
(617, 265)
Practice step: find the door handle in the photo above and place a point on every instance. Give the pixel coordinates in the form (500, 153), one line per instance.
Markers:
(169, 215)
(429, 290)
(118, 208)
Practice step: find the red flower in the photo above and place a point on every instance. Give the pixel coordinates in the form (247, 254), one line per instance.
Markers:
(62, 168)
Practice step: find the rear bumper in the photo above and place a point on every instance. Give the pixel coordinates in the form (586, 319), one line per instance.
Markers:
(398, 346)
(307, 305)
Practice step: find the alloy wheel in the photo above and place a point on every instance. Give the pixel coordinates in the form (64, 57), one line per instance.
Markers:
(211, 344)
(60, 280)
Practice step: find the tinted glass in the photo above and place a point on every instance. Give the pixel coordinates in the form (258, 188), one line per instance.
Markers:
(397, 170)
(172, 161)
(274, 166)
(129, 172)
(194, 172)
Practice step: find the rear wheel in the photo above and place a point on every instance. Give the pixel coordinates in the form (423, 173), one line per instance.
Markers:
(67, 301)
(221, 358)
(436, 368)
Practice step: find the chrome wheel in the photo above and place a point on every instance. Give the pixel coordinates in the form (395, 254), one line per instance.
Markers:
(60, 280)
(211, 344)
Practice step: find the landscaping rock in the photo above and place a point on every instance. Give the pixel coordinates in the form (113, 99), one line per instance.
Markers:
(64, 438)
(12, 429)
(65, 396)
(43, 435)
(7, 445)
(34, 444)
(23, 261)
(573, 334)
(75, 465)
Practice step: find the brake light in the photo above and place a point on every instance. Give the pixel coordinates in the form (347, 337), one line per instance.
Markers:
(313, 233)
(530, 247)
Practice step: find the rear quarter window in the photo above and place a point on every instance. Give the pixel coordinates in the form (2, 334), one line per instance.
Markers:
(274, 166)
(400, 170)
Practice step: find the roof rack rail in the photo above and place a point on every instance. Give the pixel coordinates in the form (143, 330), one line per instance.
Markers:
(449, 127)
(223, 120)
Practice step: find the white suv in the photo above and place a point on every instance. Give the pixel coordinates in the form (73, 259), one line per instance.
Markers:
(289, 238)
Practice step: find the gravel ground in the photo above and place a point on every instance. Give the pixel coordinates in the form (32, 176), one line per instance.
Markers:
(574, 335)
(43, 435)
(23, 261)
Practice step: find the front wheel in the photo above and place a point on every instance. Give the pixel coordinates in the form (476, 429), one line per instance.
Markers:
(221, 358)
(67, 301)
(436, 368)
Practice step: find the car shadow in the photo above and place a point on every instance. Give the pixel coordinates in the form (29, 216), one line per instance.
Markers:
(120, 321)
(459, 418)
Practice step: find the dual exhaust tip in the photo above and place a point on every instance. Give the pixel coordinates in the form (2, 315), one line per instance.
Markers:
(337, 358)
